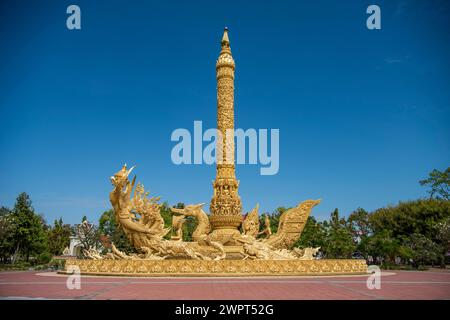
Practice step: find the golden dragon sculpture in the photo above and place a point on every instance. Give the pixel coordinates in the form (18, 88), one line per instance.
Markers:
(140, 218)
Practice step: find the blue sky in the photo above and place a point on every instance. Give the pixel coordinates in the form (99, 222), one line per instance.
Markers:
(363, 115)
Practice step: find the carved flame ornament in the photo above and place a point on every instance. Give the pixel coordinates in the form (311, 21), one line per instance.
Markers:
(224, 243)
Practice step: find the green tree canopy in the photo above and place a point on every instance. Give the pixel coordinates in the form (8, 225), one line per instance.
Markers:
(419, 216)
(6, 232)
(339, 242)
(313, 235)
(59, 237)
(438, 183)
(29, 237)
(360, 229)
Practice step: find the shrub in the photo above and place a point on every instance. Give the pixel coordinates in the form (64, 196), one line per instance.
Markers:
(44, 258)
(56, 264)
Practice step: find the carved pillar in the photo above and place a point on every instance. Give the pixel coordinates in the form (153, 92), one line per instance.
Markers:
(226, 204)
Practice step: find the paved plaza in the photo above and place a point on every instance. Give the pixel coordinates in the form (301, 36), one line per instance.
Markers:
(433, 284)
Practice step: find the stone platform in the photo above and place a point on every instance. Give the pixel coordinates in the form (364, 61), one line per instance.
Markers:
(219, 268)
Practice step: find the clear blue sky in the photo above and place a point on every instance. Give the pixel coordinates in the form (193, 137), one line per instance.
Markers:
(363, 115)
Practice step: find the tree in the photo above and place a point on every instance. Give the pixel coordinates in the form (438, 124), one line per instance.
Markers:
(6, 230)
(88, 235)
(443, 239)
(4, 211)
(59, 237)
(339, 242)
(361, 229)
(313, 235)
(383, 245)
(166, 213)
(396, 230)
(28, 236)
(409, 217)
(423, 249)
(439, 184)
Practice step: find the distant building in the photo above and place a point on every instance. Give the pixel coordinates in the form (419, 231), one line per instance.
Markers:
(74, 247)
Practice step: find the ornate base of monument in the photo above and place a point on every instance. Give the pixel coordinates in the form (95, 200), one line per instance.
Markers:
(213, 268)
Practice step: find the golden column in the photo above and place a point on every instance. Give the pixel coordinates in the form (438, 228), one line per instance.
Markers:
(226, 204)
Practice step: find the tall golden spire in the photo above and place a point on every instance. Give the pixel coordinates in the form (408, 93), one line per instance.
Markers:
(226, 204)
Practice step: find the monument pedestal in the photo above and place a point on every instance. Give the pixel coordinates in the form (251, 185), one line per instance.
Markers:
(215, 268)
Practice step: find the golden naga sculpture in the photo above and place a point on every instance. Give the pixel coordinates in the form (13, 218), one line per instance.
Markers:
(291, 225)
(224, 242)
(177, 227)
(250, 226)
(140, 218)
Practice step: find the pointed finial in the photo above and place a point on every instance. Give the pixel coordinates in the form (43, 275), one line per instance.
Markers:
(225, 36)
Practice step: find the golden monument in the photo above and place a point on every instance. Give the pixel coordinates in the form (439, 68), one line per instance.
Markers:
(226, 206)
(224, 244)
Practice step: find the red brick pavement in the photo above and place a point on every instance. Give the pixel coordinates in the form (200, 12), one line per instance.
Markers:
(401, 285)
